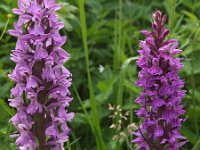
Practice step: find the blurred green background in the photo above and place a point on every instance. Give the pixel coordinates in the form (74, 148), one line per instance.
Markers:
(103, 38)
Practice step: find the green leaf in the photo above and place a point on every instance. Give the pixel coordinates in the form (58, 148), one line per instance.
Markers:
(197, 145)
(6, 108)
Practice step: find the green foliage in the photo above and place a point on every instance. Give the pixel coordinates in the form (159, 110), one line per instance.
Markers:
(103, 37)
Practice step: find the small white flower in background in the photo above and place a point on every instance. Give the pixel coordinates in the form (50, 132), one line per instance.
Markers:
(113, 126)
(132, 127)
(110, 107)
(101, 68)
(115, 138)
(122, 131)
(122, 137)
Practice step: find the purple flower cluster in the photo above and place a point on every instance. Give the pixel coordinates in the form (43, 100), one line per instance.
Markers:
(160, 100)
(42, 86)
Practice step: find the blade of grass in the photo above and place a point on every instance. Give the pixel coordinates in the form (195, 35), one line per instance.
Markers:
(98, 135)
(83, 107)
(117, 60)
(171, 8)
(6, 25)
(193, 94)
(77, 144)
(118, 38)
(197, 145)
(6, 108)
(115, 43)
(70, 144)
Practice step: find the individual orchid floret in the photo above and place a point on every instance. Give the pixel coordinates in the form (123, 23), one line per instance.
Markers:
(160, 101)
(41, 94)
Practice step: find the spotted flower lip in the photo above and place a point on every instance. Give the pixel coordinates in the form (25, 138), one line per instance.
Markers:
(160, 101)
(41, 94)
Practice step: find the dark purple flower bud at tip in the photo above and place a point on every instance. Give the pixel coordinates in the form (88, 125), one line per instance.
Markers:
(41, 95)
(161, 109)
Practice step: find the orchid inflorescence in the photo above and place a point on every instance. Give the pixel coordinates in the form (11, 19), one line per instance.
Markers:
(160, 101)
(41, 94)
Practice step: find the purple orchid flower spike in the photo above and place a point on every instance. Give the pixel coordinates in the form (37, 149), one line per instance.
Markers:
(41, 94)
(160, 101)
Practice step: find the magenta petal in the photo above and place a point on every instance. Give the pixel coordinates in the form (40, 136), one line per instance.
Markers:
(39, 54)
(34, 107)
(52, 131)
(31, 83)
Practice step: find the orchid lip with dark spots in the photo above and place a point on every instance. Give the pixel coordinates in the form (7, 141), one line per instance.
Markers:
(161, 109)
(41, 94)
